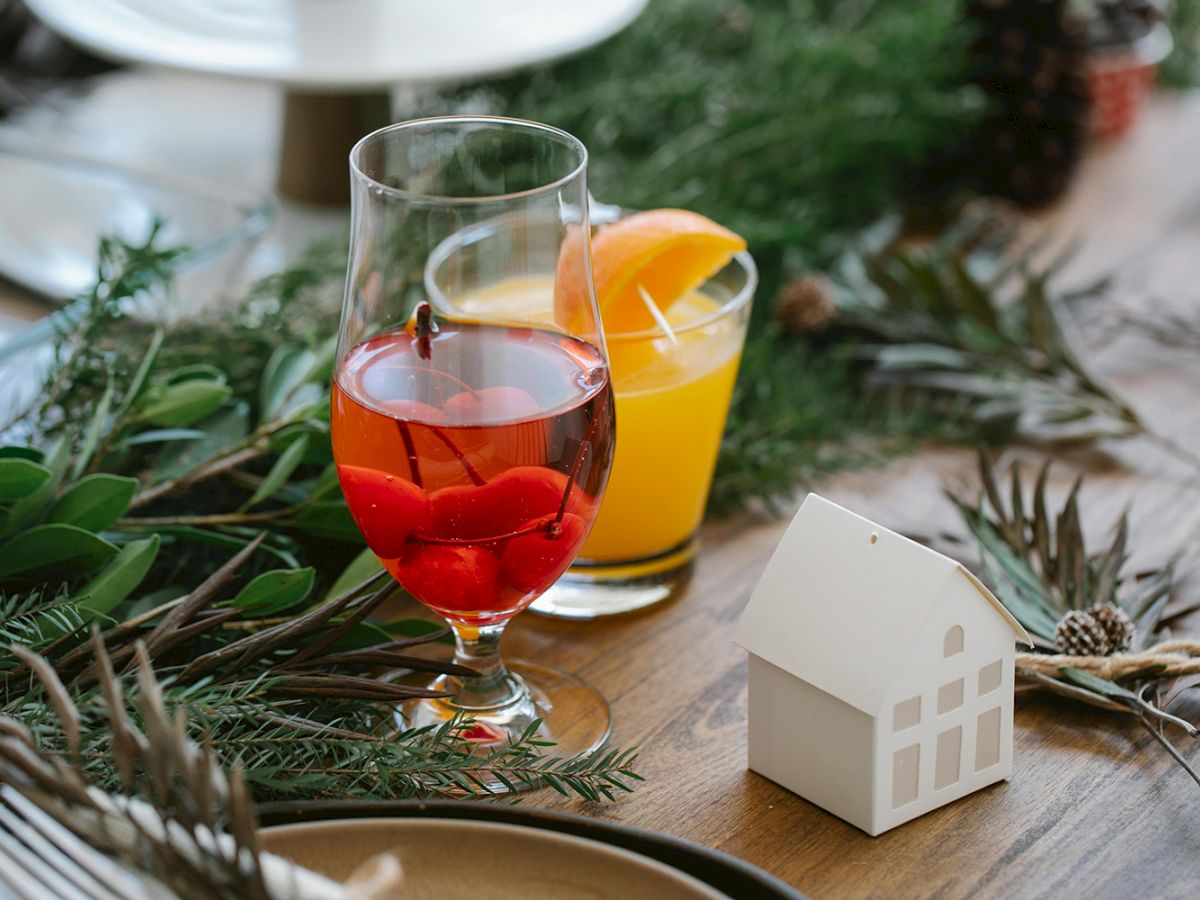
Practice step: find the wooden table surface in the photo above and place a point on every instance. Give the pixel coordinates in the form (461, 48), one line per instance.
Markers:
(1095, 808)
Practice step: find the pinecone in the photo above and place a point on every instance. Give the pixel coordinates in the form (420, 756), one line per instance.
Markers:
(806, 305)
(1080, 633)
(1096, 631)
(1117, 625)
(1032, 66)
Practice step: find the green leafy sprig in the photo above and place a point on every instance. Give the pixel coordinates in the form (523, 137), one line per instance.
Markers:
(198, 513)
(1037, 562)
(961, 320)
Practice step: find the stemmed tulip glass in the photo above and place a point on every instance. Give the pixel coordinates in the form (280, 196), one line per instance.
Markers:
(473, 448)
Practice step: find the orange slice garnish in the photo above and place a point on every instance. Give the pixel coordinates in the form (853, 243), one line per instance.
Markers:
(659, 255)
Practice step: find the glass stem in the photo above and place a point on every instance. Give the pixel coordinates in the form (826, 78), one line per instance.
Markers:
(478, 648)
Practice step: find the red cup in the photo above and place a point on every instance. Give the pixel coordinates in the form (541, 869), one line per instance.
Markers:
(1121, 79)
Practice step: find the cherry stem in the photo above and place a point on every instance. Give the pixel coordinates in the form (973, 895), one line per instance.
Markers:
(460, 456)
(425, 328)
(578, 462)
(410, 448)
(551, 528)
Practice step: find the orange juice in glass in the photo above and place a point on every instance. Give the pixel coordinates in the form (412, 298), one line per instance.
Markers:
(672, 383)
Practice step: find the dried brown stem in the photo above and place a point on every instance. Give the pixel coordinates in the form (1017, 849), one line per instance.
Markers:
(220, 464)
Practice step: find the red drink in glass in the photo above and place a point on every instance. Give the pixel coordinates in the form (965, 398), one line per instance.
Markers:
(476, 489)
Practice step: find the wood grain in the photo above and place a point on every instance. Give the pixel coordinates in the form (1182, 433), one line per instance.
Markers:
(1095, 807)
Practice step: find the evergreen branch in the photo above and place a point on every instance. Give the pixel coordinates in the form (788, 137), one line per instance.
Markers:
(190, 827)
(1038, 564)
(949, 319)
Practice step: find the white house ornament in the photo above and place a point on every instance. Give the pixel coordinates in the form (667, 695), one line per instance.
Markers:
(880, 671)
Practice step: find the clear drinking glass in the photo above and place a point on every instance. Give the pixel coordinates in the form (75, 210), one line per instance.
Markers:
(473, 450)
(672, 393)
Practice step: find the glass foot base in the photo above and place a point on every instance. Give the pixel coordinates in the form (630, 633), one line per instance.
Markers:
(573, 714)
(590, 590)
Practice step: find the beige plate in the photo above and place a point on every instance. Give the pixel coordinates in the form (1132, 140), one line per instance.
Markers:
(454, 858)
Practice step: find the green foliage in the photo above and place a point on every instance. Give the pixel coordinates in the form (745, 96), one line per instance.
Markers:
(956, 320)
(137, 500)
(1182, 68)
(94, 502)
(786, 120)
(276, 590)
(792, 122)
(34, 619)
(120, 578)
(1039, 565)
(799, 412)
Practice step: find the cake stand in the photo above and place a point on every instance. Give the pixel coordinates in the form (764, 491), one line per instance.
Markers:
(335, 59)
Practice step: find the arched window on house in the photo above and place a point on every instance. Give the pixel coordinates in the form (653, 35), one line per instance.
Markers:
(953, 642)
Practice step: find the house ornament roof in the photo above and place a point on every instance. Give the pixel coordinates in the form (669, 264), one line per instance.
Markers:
(840, 589)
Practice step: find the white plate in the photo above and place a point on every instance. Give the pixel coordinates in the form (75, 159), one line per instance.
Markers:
(338, 44)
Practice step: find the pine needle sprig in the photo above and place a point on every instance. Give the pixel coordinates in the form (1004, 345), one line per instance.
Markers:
(173, 832)
(314, 733)
(128, 275)
(772, 117)
(1038, 564)
(175, 819)
(953, 319)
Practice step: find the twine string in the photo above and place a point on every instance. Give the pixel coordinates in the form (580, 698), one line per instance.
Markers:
(1170, 658)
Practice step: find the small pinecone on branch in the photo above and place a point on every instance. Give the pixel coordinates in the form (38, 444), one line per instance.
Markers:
(1098, 631)
(805, 305)
(1078, 633)
(1117, 625)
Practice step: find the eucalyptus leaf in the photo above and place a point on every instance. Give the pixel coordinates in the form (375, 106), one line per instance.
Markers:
(58, 456)
(286, 370)
(54, 550)
(281, 471)
(276, 590)
(120, 577)
(16, 451)
(221, 431)
(137, 384)
(327, 518)
(183, 403)
(28, 509)
(196, 372)
(19, 478)
(161, 436)
(94, 502)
